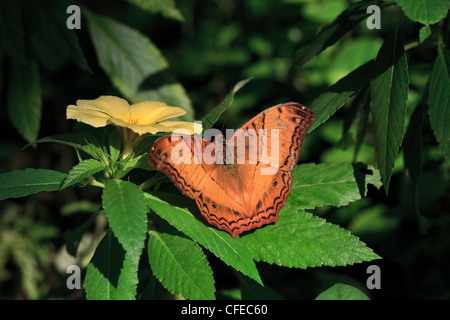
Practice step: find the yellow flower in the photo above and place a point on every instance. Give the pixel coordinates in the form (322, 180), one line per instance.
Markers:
(133, 121)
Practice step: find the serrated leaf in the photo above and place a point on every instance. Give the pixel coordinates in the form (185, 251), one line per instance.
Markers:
(81, 171)
(79, 141)
(126, 209)
(251, 290)
(165, 7)
(341, 291)
(231, 250)
(11, 30)
(389, 93)
(75, 237)
(180, 265)
(424, 33)
(301, 240)
(335, 184)
(21, 183)
(24, 99)
(439, 101)
(326, 104)
(425, 11)
(331, 33)
(213, 115)
(52, 42)
(134, 65)
(112, 273)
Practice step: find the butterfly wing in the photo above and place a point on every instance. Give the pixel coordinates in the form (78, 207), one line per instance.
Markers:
(267, 173)
(178, 156)
(251, 188)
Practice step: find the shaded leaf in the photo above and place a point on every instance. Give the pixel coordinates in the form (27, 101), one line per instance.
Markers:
(425, 11)
(134, 65)
(180, 265)
(11, 30)
(21, 183)
(52, 42)
(439, 101)
(326, 104)
(251, 290)
(75, 237)
(341, 291)
(331, 33)
(424, 33)
(126, 209)
(111, 274)
(389, 93)
(213, 115)
(334, 184)
(24, 99)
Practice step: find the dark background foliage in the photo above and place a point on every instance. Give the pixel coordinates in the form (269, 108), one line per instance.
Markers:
(216, 45)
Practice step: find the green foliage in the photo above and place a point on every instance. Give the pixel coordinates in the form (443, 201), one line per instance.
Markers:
(389, 92)
(21, 183)
(440, 100)
(381, 99)
(180, 265)
(342, 292)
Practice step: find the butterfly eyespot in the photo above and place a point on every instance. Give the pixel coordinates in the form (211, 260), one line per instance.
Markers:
(258, 205)
(214, 206)
(275, 183)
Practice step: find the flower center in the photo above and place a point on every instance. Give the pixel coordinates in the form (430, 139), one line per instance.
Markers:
(133, 121)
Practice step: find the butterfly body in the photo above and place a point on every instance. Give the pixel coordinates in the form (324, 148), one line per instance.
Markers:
(250, 186)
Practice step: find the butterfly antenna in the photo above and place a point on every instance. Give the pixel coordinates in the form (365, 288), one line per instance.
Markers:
(226, 109)
(198, 110)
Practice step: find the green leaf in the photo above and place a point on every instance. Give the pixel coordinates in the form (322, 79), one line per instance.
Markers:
(335, 184)
(337, 95)
(24, 99)
(251, 290)
(231, 250)
(52, 42)
(301, 240)
(341, 291)
(424, 33)
(165, 7)
(425, 11)
(213, 115)
(112, 273)
(126, 209)
(134, 65)
(80, 141)
(75, 237)
(11, 30)
(81, 171)
(389, 93)
(331, 33)
(439, 101)
(180, 265)
(21, 183)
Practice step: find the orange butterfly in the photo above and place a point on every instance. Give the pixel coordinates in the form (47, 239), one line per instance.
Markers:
(249, 179)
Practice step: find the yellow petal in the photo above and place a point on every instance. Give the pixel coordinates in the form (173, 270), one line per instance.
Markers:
(139, 129)
(150, 112)
(190, 126)
(109, 106)
(91, 117)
